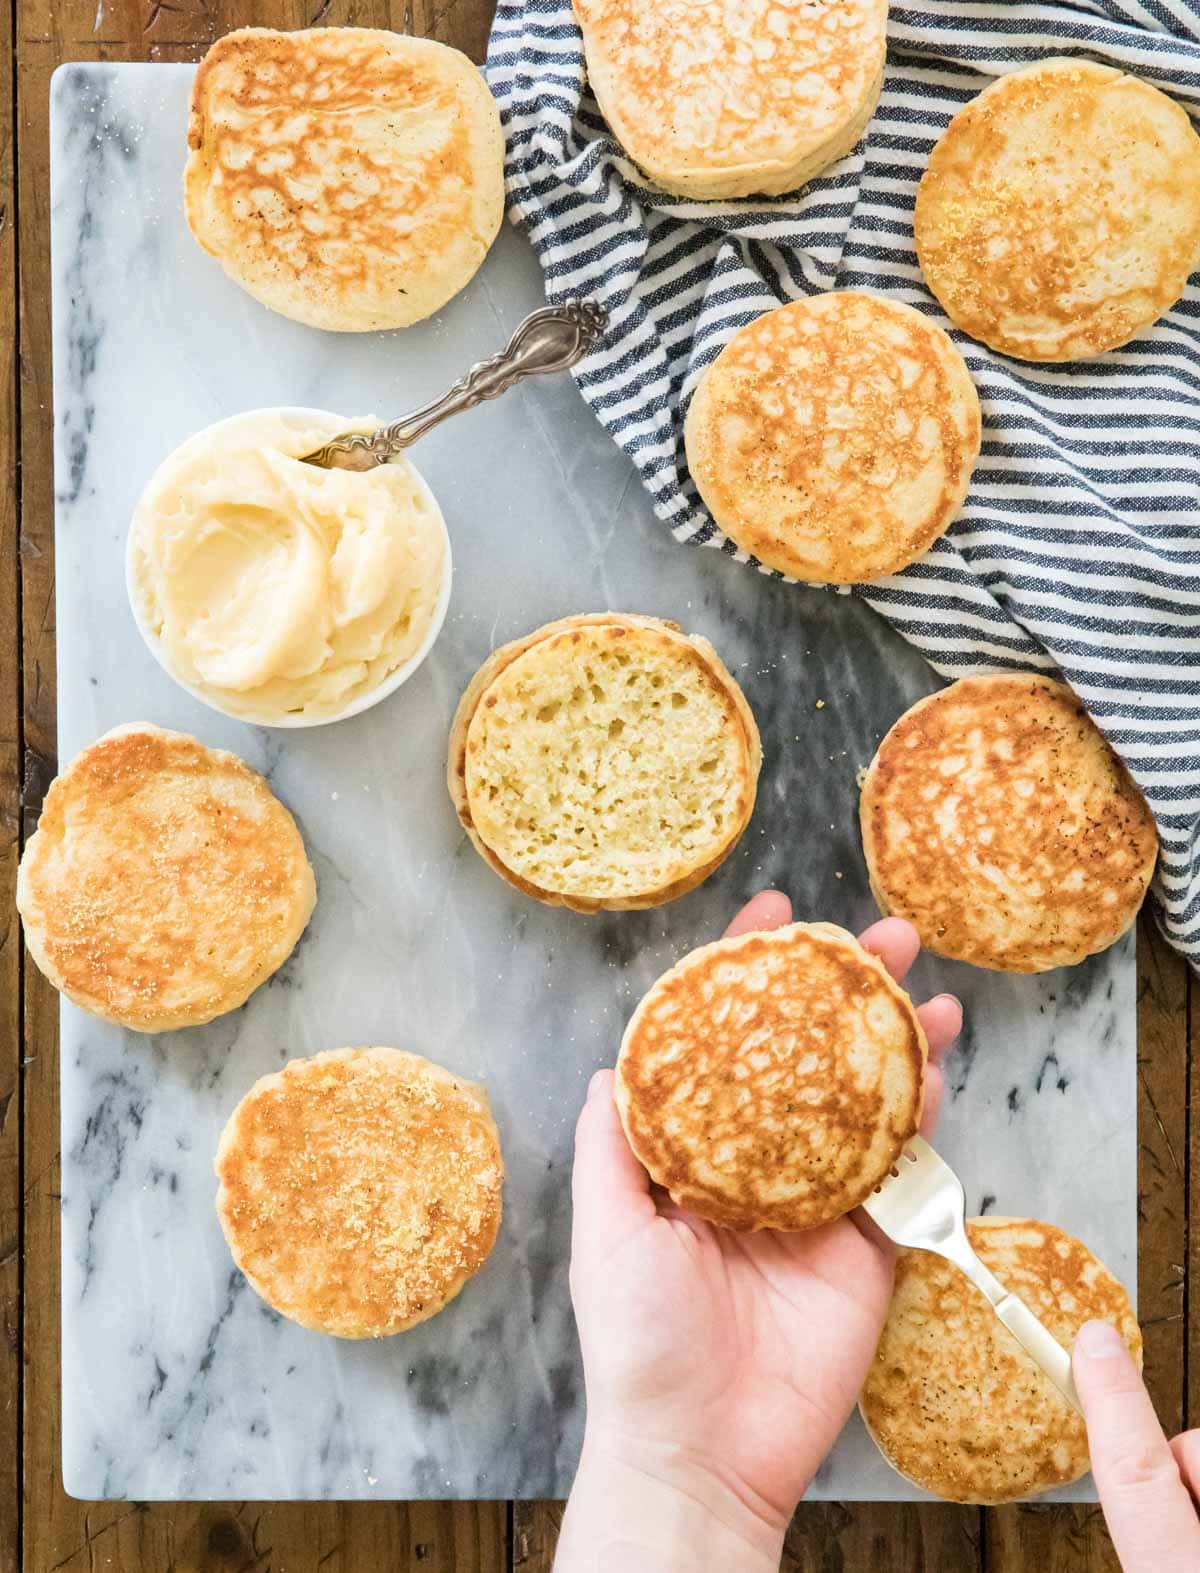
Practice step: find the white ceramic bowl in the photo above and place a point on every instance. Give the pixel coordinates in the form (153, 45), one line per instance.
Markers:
(390, 684)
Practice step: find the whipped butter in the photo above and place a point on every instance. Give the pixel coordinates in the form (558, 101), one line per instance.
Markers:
(277, 590)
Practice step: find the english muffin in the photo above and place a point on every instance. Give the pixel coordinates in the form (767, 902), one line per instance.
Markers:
(164, 882)
(997, 819)
(834, 438)
(604, 761)
(346, 177)
(1060, 211)
(713, 98)
(771, 1081)
(360, 1189)
(952, 1400)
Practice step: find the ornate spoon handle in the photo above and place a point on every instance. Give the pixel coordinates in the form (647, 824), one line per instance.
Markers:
(549, 340)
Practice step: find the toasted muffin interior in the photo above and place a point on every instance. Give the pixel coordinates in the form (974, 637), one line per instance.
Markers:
(609, 761)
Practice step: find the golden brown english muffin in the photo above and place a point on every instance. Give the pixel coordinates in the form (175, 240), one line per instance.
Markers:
(998, 820)
(346, 177)
(714, 98)
(952, 1400)
(604, 761)
(164, 882)
(360, 1189)
(770, 1081)
(834, 438)
(1060, 211)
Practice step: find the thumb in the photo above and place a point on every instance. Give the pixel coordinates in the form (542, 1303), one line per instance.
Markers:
(610, 1189)
(1148, 1509)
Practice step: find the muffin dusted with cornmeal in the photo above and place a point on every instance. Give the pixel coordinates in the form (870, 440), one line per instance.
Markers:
(164, 882)
(347, 177)
(998, 820)
(770, 1081)
(360, 1189)
(834, 438)
(604, 761)
(952, 1400)
(717, 98)
(1060, 212)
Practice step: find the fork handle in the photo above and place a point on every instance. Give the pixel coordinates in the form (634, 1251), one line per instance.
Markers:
(1038, 1342)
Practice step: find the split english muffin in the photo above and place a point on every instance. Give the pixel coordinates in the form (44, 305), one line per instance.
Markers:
(997, 819)
(834, 438)
(770, 1081)
(604, 762)
(360, 1189)
(1060, 211)
(715, 99)
(346, 177)
(164, 882)
(952, 1400)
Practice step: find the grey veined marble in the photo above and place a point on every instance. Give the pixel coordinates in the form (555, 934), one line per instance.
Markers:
(178, 1381)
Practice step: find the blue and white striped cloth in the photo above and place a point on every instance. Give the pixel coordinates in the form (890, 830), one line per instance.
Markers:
(1079, 545)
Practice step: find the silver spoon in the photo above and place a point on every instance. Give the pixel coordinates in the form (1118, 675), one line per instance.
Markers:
(552, 339)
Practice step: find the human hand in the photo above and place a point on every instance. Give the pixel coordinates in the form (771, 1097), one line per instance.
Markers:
(1147, 1485)
(719, 1367)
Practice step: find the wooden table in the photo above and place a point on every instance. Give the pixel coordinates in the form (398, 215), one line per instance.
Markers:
(41, 1530)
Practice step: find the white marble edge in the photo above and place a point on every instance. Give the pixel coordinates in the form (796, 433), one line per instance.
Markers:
(177, 1381)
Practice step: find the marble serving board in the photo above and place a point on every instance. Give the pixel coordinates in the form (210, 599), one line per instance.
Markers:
(177, 1380)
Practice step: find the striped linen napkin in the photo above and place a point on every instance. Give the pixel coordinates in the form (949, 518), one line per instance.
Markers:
(1079, 545)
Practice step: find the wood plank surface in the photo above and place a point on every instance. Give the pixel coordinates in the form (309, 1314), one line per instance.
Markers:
(43, 1531)
(844, 1537)
(825, 1537)
(1163, 1016)
(535, 1534)
(10, 777)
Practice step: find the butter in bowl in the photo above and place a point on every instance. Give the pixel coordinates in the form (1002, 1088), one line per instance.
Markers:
(280, 593)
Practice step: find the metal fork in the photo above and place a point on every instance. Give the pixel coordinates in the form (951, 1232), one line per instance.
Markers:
(921, 1204)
